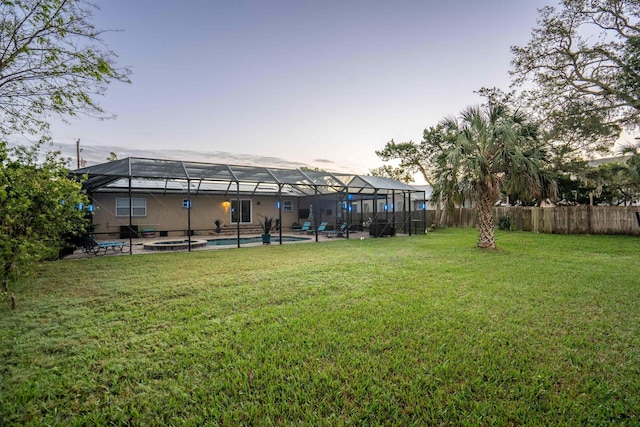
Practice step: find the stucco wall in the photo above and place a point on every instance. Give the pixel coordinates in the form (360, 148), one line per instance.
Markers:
(166, 213)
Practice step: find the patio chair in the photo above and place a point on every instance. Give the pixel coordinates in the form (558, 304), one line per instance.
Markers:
(305, 227)
(337, 233)
(321, 228)
(91, 246)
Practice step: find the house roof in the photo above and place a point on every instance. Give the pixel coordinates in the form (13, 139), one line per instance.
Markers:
(616, 159)
(181, 176)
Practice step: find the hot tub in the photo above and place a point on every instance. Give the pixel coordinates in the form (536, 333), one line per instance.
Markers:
(174, 245)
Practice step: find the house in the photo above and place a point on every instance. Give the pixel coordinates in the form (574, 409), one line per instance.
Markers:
(157, 197)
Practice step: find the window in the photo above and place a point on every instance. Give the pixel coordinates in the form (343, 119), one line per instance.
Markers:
(243, 211)
(138, 206)
(287, 206)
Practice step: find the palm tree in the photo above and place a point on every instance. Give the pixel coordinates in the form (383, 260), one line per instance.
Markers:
(489, 150)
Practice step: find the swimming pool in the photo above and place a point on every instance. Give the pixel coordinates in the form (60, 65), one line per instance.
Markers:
(227, 241)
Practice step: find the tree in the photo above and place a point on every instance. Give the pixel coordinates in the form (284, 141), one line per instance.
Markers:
(633, 162)
(605, 184)
(39, 204)
(415, 158)
(632, 169)
(487, 150)
(389, 171)
(418, 158)
(52, 61)
(584, 62)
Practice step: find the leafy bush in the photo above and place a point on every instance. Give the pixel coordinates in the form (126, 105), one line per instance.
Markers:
(504, 223)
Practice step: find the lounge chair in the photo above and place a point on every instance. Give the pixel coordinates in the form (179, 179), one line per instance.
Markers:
(305, 227)
(337, 233)
(321, 228)
(91, 246)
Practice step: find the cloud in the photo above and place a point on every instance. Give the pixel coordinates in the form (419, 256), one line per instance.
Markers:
(324, 161)
(96, 154)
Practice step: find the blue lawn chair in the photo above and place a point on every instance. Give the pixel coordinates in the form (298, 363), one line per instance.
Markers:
(91, 246)
(321, 228)
(305, 227)
(337, 233)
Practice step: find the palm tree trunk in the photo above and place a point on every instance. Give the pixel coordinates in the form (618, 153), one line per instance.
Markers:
(486, 239)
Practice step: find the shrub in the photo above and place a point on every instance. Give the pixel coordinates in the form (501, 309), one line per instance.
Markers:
(504, 223)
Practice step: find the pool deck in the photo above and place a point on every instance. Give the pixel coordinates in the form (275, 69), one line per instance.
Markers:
(138, 243)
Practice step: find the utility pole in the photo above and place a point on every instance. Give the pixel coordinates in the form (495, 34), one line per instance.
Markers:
(81, 162)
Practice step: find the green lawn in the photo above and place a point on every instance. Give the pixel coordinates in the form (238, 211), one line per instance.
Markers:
(421, 330)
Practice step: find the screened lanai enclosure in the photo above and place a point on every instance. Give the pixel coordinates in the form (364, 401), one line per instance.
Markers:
(139, 197)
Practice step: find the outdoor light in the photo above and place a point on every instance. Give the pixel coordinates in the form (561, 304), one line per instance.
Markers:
(386, 208)
(226, 204)
(278, 204)
(350, 196)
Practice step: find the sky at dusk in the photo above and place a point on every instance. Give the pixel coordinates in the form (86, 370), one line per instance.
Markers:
(291, 83)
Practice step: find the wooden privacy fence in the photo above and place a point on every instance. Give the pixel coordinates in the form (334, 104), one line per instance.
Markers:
(558, 220)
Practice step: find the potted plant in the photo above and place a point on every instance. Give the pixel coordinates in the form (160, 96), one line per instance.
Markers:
(267, 225)
(218, 223)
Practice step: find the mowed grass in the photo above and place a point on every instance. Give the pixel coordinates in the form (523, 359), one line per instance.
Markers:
(421, 330)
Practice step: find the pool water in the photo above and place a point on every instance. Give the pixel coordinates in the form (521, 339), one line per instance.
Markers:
(227, 241)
